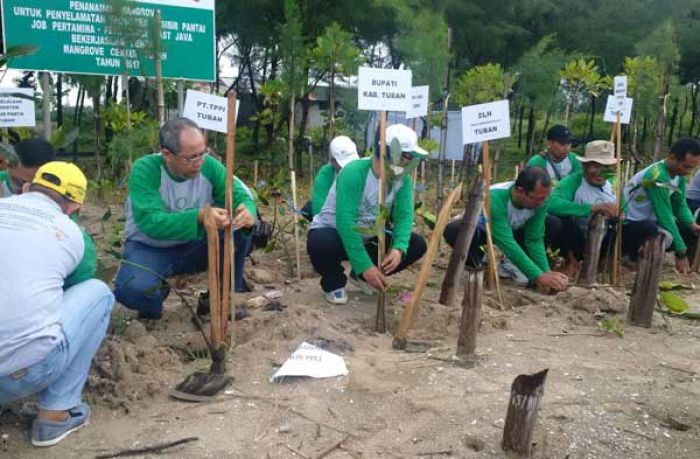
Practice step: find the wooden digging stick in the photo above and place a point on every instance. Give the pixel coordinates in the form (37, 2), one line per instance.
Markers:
(411, 311)
(214, 290)
(380, 320)
(617, 254)
(486, 164)
(228, 268)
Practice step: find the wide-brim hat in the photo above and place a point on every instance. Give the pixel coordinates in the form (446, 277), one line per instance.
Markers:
(601, 152)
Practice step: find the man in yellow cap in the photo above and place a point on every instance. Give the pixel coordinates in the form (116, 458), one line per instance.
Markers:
(54, 314)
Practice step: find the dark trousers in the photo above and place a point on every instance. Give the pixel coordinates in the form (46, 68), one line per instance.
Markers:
(693, 204)
(475, 255)
(571, 238)
(306, 211)
(326, 251)
(634, 234)
(139, 284)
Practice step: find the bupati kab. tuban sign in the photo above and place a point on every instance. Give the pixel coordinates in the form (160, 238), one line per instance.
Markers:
(97, 37)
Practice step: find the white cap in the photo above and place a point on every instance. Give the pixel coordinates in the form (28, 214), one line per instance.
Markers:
(407, 139)
(343, 150)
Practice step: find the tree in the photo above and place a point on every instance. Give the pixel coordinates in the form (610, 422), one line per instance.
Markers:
(334, 56)
(645, 77)
(581, 82)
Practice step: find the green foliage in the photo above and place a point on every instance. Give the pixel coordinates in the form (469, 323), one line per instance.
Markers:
(292, 51)
(612, 326)
(673, 302)
(61, 138)
(132, 144)
(117, 117)
(645, 76)
(484, 83)
(538, 73)
(667, 286)
(661, 45)
(582, 81)
(335, 54)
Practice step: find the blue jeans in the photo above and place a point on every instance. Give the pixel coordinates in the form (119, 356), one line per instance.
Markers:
(59, 378)
(139, 283)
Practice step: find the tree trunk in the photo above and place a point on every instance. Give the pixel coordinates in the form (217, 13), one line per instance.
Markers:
(466, 233)
(661, 120)
(303, 123)
(526, 394)
(46, 105)
(471, 313)
(78, 118)
(98, 132)
(544, 130)
(331, 104)
(646, 284)
(521, 114)
(645, 124)
(672, 124)
(59, 101)
(591, 253)
(694, 89)
(530, 132)
(683, 113)
(591, 121)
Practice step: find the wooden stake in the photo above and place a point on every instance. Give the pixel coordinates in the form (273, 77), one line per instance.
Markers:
(292, 176)
(421, 195)
(471, 313)
(213, 276)
(525, 401)
(695, 267)
(460, 250)
(411, 310)
(486, 165)
(617, 254)
(452, 173)
(646, 284)
(591, 253)
(380, 319)
(229, 285)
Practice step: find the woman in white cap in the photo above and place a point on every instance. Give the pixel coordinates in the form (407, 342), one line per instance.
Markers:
(343, 150)
(341, 231)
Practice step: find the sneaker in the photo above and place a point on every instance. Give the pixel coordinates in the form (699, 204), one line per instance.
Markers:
(336, 296)
(507, 270)
(361, 284)
(49, 433)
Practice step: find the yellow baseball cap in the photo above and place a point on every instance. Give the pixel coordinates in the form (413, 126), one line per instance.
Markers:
(64, 178)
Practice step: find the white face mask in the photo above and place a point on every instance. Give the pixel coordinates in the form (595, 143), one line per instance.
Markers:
(397, 170)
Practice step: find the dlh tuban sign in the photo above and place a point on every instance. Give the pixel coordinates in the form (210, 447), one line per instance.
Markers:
(80, 36)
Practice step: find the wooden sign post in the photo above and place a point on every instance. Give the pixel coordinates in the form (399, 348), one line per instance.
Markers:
(481, 123)
(383, 90)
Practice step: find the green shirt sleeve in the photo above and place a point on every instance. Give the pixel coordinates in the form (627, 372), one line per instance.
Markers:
(562, 204)
(150, 214)
(349, 187)
(661, 203)
(534, 239)
(503, 236)
(680, 205)
(402, 215)
(216, 173)
(576, 166)
(87, 266)
(322, 185)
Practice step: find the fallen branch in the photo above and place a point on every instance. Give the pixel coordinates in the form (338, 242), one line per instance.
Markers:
(328, 450)
(156, 449)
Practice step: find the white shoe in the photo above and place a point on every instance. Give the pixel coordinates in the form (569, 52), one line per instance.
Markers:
(507, 270)
(361, 285)
(336, 296)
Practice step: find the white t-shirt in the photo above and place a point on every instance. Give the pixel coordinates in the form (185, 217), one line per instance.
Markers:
(39, 247)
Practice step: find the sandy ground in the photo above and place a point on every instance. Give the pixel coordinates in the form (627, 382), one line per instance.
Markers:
(605, 396)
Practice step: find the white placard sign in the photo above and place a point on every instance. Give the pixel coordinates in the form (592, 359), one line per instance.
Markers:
(419, 102)
(614, 105)
(620, 87)
(314, 362)
(17, 107)
(207, 110)
(384, 89)
(484, 122)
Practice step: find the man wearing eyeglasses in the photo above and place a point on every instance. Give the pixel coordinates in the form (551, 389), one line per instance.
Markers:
(169, 193)
(581, 195)
(32, 153)
(346, 226)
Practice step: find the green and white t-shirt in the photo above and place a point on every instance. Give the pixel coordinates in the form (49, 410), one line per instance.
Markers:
(506, 218)
(557, 170)
(575, 197)
(353, 202)
(652, 195)
(161, 210)
(5, 188)
(322, 186)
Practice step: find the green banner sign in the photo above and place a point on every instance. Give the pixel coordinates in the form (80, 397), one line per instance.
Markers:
(93, 37)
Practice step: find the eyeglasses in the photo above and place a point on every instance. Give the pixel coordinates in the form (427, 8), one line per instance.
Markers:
(195, 158)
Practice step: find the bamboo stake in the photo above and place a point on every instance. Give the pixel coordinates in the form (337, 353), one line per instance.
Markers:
(255, 173)
(213, 276)
(487, 210)
(452, 173)
(617, 254)
(427, 265)
(380, 320)
(227, 296)
(292, 175)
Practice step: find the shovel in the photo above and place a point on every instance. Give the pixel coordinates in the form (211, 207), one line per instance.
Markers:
(204, 386)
